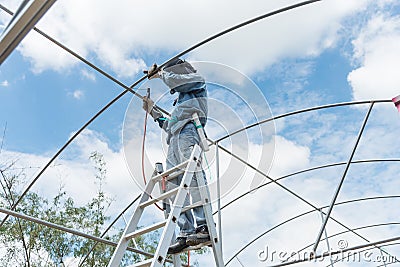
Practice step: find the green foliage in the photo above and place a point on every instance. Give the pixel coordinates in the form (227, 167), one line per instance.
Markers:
(28, 244)
(31, 244)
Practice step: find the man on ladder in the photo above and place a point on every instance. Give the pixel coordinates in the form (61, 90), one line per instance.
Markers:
(181, 77)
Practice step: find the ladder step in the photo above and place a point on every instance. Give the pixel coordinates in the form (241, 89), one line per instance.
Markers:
(179, 193)
(180, 168)
(194, 205)
(145, 230)
(173, 175)
(142, 263)
(160, 197)
(169, 177)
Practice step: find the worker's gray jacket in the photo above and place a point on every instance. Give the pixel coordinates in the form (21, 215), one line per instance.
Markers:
(192, 98)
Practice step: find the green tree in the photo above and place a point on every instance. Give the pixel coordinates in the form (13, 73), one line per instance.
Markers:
(28, 244)
(95, 219)
(18, 236)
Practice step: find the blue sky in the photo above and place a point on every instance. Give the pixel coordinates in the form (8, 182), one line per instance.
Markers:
(45, 102)
(42, 110)
(325, 53)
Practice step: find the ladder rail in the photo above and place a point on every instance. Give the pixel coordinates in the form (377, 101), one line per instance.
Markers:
(176, 259)
(215, 241)
(192, 166)
(166, 236)
(132, 225)
(133, 222)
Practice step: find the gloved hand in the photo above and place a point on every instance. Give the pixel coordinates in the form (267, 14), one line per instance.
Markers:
(148, 106)
(152, 72)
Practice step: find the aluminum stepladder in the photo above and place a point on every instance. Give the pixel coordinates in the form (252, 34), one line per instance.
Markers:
(188, 168)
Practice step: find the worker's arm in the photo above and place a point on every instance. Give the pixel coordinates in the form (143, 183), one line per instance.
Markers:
(148, 106)
(182, 82)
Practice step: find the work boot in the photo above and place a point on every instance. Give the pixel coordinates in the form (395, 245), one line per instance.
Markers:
(178, 246)
(200, 236)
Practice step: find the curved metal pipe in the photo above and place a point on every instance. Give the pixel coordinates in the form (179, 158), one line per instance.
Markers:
(347, 231)
(143, 78)
(307, 170)
(288, 190)
(303, 214)
(339, 186)
(303, 111)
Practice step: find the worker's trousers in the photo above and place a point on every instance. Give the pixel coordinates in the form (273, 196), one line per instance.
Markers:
(179, 150)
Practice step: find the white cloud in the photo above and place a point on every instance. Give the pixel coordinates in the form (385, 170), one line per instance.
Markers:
(88, 75)
(121, 41)
(376, 50)
(283, 163)
(43, 55)
(271, 205)
(5, 83)
(255, 213)
(78, 94)
(292, 34)
(75, 171)
(111, 39)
